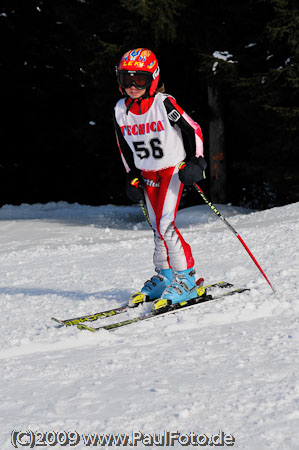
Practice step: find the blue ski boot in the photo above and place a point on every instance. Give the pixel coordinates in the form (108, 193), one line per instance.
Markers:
(152, 288)
(182, 288)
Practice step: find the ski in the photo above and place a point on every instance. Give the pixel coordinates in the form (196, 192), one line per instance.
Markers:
(122, 309)
(172, 309)
(92, 317)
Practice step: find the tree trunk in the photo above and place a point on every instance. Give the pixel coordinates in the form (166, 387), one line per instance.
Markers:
(218, 177)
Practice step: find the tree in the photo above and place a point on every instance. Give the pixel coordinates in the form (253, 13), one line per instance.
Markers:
(57, 68)
(257, 91)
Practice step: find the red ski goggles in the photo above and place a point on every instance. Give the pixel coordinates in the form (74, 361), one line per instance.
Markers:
(141, 80)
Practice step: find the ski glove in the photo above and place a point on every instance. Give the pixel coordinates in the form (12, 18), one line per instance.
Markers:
(134, 185)
(192, 171)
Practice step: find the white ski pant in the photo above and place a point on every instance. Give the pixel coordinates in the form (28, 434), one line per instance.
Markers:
(163, 191)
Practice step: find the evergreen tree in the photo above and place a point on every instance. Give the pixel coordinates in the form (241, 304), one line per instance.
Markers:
(58, 72)
(250, 59)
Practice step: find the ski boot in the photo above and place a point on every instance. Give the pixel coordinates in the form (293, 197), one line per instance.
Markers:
(152, 288)
(183, 288)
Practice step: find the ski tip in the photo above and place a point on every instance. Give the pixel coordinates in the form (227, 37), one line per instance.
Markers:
(57, 320)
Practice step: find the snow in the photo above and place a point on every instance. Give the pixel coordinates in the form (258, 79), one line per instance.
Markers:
(226, 366)
(222, 55)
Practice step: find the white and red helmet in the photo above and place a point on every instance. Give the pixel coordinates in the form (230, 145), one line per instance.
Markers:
(138, 67)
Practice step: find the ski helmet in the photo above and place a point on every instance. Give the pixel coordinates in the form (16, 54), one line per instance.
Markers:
(138, 67)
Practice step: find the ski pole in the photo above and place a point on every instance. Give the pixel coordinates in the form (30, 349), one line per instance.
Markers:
(145, 213)
(234, 231)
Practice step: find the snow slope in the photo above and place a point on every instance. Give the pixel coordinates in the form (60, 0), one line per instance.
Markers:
(229, 365)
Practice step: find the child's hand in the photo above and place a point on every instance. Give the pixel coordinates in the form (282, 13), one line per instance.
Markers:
(192, 171)
(134, 189)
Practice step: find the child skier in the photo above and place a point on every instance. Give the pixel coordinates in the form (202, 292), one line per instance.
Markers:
(149, 127)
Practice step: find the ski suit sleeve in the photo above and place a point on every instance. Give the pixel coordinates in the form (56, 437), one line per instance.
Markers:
(192, 131)
(125, 151)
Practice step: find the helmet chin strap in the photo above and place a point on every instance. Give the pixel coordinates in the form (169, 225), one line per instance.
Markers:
(137, 100)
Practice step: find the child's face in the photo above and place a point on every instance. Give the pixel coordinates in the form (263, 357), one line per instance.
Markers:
(133, 92)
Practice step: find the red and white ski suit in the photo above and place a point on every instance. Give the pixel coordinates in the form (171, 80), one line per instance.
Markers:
(150, 138)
